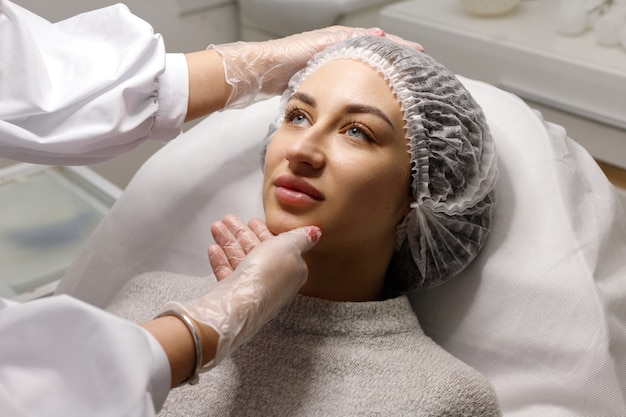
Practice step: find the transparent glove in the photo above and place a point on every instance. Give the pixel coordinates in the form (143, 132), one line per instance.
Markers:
(265, 281)
(259, 70)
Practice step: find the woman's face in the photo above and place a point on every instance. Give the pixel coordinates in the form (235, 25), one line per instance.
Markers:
(340, 159)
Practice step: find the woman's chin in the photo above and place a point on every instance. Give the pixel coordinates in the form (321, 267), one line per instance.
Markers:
(281, 224)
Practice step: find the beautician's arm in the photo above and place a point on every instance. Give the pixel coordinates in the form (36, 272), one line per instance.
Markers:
(255, 71)
(94, 86)
(85, 89)
(61, 356)
(234, 309)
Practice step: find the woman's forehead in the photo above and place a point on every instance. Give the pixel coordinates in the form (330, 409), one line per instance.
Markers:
(343, 67)
(347, 79)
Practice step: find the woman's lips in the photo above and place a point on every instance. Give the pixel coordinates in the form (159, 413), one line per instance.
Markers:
(296, 190)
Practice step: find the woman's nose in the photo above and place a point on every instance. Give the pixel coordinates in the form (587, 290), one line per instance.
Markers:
(306, 151)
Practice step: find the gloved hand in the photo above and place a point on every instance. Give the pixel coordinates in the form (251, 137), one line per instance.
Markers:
(259, 70)
(233, 241)
(265, 281)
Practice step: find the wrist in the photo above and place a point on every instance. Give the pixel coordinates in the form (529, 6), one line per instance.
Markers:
(177, 343)
(209, 339)
(208, 89)
(193, 376)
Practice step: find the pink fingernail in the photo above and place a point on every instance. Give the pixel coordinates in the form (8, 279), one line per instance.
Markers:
(314, 232)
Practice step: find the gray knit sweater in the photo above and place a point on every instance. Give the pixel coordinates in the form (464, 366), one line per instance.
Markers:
(320, 358)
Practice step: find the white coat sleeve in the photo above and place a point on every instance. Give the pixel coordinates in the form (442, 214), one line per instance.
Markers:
(85, 89)
(62, 357)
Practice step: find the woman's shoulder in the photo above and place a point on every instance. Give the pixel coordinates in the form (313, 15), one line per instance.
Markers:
(427, 375)
(464, 391)
(455, 387)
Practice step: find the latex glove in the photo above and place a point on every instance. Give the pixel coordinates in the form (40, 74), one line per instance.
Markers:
(233, 241)
(259, 70)
(265, 281)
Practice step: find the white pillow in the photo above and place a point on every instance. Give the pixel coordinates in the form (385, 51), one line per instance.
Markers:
(541, 312)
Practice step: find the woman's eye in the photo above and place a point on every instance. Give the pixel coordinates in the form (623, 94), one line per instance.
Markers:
(297, 118)
(358, 133)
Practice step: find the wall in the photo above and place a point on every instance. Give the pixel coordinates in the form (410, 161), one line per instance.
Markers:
(186, 25)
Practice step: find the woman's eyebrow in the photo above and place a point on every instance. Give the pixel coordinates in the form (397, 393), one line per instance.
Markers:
(364, 108)
(305, 98)
(350, 108)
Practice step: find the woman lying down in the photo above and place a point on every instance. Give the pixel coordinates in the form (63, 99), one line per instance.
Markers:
(386, 151)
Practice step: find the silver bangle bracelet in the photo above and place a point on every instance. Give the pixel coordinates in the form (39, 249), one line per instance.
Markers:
(182, 316)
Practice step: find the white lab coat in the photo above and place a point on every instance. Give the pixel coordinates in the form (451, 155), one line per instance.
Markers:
(85, 89)
(77, 92)
(63, 357)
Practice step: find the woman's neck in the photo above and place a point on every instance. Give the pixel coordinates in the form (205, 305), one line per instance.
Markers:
(346, 277)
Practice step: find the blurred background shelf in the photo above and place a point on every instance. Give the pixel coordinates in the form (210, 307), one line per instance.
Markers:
(47, 213)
